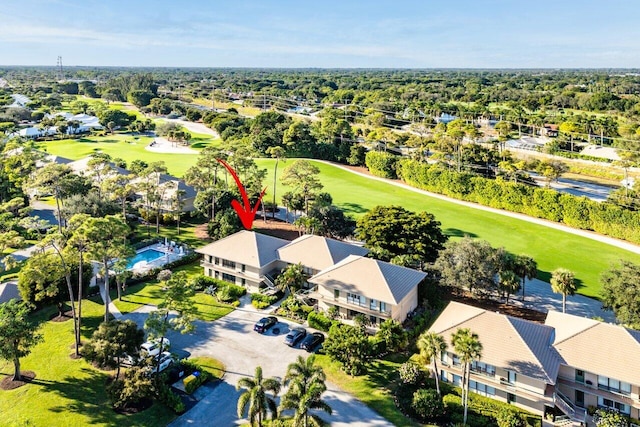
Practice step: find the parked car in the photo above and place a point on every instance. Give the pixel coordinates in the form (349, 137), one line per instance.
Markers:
(311, 341)
(165, 360)
(152, 348)
(264, 324)
(294, 336)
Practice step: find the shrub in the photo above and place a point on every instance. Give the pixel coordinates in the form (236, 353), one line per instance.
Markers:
(169, 398)
(261, 301)
(136, 386)
(427, 404)
(201, 282)
(381, 164)
(195, 380)
(507, 417)
(410, 373)
(319, 321)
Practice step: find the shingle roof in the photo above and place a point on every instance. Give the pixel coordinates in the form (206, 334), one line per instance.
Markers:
(601, 348)
(515, 344)
(318, 252)
(246, 247)
(371, 278)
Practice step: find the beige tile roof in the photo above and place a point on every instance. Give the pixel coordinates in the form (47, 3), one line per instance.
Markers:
(515, 344)
(318, 252)
(597, 347)
(370, 278)
(245, 247)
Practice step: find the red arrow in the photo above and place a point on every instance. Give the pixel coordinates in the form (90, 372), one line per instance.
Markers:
(246, 213)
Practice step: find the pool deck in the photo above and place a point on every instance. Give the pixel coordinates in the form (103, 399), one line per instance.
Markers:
(171, 253)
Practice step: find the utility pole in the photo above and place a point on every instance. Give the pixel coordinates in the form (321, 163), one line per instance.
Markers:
(213, 98)
(59, 67)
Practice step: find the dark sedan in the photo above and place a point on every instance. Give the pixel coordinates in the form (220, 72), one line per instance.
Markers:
(264, 324)
(312, 341)
(294, 336)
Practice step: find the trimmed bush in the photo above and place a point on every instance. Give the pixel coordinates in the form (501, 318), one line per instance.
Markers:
(169, 398)
(427, 404)
(319, 321)
(410, 373)
(261, 301)
(604, 218)
(195, 380)
(507, 417)
(381, 164)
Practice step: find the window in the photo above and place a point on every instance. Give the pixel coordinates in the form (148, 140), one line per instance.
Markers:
(210, 259)
(217, 274)
(443, 358)
(210, 272)
(612, 385)
(483, 368)
(457, 380)
(481, 389)
(373, 320)
(217, 261)
(456, 360)
(383, 307)
(373, 304)
(336, 294)
(612, 404)
(244, 282)
(243, 268)
(228, 264)
(511, 398)
(443, 376)
(355, 299)
(511, 377)
(229, 278)
(579, 376)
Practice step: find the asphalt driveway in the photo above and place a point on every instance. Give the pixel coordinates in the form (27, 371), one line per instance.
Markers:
(232, 340)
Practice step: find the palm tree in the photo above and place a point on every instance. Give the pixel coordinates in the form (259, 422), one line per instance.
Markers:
(276, 153)
(509, 282)
(431, 345)
(525, 267)
(468, 348)
(255, 397)
(562, 282)
(306, 383)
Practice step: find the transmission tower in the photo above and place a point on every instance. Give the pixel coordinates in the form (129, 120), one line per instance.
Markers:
(59, 69)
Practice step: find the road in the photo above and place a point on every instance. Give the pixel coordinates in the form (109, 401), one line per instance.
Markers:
(232, 340)
(596, 192)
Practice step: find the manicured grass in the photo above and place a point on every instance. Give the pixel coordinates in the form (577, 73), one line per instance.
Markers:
(551, 248)
(151, 292)
(211, 365)
(372, 388)
(67, 392)
(126, 146)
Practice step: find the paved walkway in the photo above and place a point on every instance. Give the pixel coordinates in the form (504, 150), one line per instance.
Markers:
(540, 297)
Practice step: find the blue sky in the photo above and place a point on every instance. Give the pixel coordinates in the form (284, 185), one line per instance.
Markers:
(346, 33)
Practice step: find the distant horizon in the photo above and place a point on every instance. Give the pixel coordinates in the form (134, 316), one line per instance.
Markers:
(406, 34)
(187, 67)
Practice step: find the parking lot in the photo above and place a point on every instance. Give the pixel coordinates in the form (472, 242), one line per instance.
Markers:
(232, 340)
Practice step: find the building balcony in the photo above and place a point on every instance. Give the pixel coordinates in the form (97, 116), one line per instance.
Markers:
(593, 389)
(236, 271)
(350, 304)
(501, 383)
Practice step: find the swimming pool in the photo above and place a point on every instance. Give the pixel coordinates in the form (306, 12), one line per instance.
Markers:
(147, 255)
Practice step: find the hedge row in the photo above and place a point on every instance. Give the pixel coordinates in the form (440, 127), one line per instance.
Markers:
(579, 212)
(381, 164)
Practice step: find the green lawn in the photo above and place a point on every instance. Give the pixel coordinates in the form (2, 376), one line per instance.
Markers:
(150, 292)
(551, 248)
(67, 392)
(372, 388)
(127, 147)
